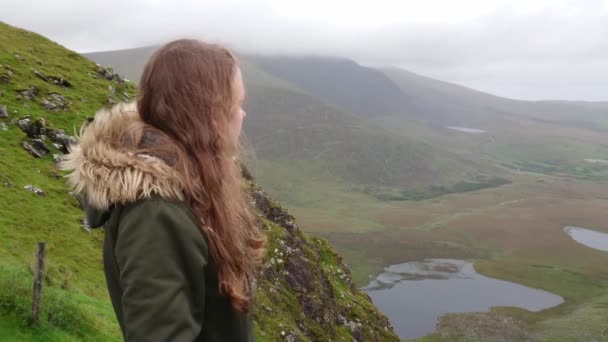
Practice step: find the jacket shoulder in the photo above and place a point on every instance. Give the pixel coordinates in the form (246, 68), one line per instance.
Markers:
(157, 216)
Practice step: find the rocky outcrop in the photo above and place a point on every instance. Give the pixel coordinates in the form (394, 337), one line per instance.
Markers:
(34, 190)
(39, 129)
(108, 74)
(7, 75)
(55, 102)
(58, 80)
(36, 147)
(3, 112)
(308, 275)
(28, 94)
(33, 128)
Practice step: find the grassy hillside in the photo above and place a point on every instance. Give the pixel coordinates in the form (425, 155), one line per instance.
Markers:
(304, 291)
(546, 137)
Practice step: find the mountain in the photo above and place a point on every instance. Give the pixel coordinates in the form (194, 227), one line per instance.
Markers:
(304, 291)
(290, 123)
(341, 82)
(548, 137)
(460, 105)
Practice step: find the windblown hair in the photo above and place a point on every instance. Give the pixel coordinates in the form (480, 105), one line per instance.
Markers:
(187, 100)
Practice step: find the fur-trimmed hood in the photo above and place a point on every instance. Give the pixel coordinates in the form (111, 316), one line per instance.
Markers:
(106, 173)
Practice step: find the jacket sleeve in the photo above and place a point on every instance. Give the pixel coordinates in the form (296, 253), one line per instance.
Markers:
(161, 255)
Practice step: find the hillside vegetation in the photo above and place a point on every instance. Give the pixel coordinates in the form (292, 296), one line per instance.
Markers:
(305, 293)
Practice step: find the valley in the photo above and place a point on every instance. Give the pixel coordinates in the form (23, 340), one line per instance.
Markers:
(390, 180)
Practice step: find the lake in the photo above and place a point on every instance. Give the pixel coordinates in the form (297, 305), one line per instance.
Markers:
(588, 237)
(415, 294)
(467, 129)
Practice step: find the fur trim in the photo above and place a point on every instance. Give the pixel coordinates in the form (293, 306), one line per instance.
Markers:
(108, 174)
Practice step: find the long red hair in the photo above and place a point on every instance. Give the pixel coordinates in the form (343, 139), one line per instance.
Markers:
(187, 95)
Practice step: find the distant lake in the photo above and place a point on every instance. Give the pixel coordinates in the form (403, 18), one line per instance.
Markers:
(415, 294)
(588, 237)
(467, 129)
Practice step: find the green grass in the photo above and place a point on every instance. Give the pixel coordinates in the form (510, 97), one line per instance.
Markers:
(311, 190)
(75, 300)
(75, 303)
(65, 314)
(392, 194)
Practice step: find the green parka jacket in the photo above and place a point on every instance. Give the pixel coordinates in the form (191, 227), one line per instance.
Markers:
(161, 278)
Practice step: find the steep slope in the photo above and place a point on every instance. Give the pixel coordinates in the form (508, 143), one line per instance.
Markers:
(304, 292)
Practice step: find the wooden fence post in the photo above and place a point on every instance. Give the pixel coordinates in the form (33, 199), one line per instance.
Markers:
(38, 279)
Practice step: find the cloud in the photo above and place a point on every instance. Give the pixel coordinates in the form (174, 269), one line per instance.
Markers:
(527, 49)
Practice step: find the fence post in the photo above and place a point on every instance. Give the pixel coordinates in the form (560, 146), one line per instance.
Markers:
(38, 279)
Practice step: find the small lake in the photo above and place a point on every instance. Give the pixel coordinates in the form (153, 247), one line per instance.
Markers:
(415, 294)
(467, 129)
(588, 237)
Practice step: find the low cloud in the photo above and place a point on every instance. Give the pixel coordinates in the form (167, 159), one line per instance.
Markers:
(532, 50)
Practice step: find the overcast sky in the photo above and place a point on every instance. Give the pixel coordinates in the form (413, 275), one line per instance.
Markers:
(528, 49)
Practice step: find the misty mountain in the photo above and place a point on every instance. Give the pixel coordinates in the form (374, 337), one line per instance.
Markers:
(450, 104)
(288, 123)
(341, 82)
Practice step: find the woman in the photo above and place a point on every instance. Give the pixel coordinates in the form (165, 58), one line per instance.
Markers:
(181, 243)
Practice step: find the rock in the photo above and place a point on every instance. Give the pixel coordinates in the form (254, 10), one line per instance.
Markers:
(29, 93)
(19, 57)
(299, 277)
(25, 125)
(35, 190)
(357, 330)
(84, 224)
(341, 320)
(273, 212)
(61, 140)
(36, 147)
(245, 173)
(33, 129)
(48, 104)
(60, 81)
(3, 112)
(108, 74)
(40, 75)
(3, 127)
(6, 78)
(292, 337)
(9, 184)
(54, 101)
